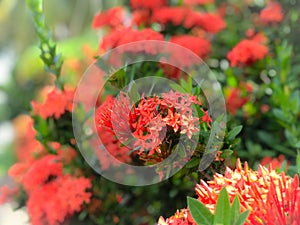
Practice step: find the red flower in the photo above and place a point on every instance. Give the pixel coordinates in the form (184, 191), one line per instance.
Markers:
(141, 17)
(113, 18)
(174, 15)
(246, 53)
(272, 198)
(41, 172)
(199, 46)
(212, 23)
(272, 13)
(182, 217)
(274, 163)
(125, 36)
(53, 202)
(56, 104)
(146, 4)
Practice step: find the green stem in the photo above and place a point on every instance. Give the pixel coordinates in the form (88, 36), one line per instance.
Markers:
(52, 61)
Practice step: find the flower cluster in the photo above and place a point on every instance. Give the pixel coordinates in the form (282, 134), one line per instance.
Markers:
(150, 122)
(273, 199)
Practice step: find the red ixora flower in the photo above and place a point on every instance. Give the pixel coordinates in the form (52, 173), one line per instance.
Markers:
(55, 201)
(182, 217)
(201, 47)
(57, 103)
(53, 195)
(144, 124)
(146, 4)
(174, 15)
(272, 198)
(128, 35)
(272, 13)
(209, 22)
(114, 18)
(246, 52)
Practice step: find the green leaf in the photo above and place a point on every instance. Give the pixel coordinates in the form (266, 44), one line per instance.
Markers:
(235, 210)
(242, 218)
(199, 212)
(222, 215)
(192, 163)
(226, 153)
(234, 132)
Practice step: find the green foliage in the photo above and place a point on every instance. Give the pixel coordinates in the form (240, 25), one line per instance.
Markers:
(224, 215)
(52, 61)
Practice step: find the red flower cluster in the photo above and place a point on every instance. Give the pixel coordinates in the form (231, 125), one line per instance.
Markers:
(57, 103)
(246, 52)
(145, 123)
(201, 47)
(128, 35)
(274, 163)
(174, 15)
(113, 18)
(209, 22)
(145, 4)
(52, 195)
(272, 13)
(273, 199)
(182, 217)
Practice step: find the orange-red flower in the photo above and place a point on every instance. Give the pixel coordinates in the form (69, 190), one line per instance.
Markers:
(55, 201)
(113, 18)
(246, 52)
(57, 103)
(182, 217)
(272, 13)
(128, 35)
(274, 163)
(174, 15)
(209, 22)
(199, 46)
(272, 198)
(145, 4)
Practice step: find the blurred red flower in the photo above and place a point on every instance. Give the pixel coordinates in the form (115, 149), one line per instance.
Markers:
(57, 103)
(174, 15)
(246, 52)
(112, 18)
(272, 13)
(209, 22)
(146, 4)
(55, 201)
(128, 35)
(201, 47)
(274, 163)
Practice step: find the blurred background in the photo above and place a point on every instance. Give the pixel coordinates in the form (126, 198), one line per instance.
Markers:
(22, 74)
